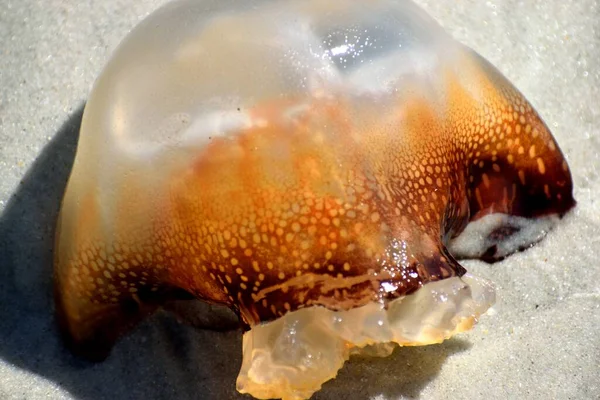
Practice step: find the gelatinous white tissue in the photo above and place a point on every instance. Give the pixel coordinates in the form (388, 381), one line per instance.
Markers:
(293, 356)
(500, 235)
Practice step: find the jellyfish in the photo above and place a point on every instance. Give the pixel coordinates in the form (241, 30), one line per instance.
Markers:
(316, 166)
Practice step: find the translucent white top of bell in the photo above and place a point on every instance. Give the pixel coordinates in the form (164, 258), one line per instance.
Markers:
(194, 69)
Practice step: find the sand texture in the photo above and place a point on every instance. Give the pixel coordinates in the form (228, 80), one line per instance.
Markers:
(540, 341)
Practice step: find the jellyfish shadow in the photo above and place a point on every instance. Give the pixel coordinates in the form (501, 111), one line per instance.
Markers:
(162, 358)
(403, 374)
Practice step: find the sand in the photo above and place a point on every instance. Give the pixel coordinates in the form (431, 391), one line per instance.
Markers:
(540, 340)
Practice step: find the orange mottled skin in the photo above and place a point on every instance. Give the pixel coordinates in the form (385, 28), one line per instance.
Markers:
(319, 209)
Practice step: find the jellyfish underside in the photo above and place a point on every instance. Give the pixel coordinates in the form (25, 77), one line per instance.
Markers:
(313, 188)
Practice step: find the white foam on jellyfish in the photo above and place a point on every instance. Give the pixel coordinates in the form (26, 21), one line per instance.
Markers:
(500, 235)
(293, 356)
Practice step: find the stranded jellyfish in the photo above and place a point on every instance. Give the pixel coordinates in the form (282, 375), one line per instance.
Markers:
(306, 163)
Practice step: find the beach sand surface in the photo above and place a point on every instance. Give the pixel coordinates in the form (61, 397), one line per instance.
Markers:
(540, 341)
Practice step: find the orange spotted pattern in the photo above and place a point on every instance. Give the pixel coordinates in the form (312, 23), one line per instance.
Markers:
(319, 209)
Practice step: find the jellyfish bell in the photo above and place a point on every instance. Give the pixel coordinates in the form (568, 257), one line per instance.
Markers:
(305, 163)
